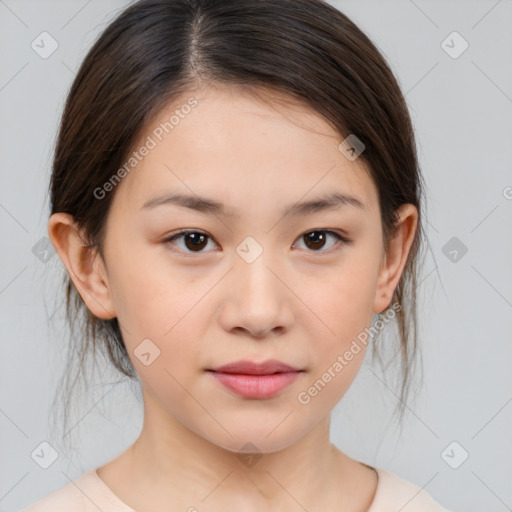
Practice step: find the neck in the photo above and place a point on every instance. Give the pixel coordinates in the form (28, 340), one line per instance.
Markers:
(171, 464)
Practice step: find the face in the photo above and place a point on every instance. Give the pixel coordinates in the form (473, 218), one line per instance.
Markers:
(249, 281)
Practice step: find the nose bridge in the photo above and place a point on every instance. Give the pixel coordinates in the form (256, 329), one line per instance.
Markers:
(257, 298)
(252, 269)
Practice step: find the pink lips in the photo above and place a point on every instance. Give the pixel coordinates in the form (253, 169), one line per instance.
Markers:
(256, 380)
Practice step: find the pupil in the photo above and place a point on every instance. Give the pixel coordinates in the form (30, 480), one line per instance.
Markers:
(311, 238)
(197, 240)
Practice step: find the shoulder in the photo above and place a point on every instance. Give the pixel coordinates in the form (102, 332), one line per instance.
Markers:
(66, 498)
(81, 495)
(397, 493)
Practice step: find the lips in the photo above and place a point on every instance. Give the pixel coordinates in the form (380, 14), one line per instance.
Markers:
(246, 367)
(251, 380)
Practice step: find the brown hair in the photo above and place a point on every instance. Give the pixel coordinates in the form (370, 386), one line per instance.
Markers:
(156, 50)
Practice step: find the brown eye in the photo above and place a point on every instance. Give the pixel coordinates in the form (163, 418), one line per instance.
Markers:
(194, 241)
(316, 240)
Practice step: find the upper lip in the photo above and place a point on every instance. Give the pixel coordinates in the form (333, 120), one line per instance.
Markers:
(251, 368)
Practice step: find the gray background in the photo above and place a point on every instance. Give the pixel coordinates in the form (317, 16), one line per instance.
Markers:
(462, 111)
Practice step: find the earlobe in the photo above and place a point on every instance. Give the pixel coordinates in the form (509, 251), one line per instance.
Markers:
(84, 265)
(396, 256)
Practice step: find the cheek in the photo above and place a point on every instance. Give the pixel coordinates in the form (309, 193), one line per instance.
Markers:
(149, 290)
(159, 304)
(342, 297)
(339, 330)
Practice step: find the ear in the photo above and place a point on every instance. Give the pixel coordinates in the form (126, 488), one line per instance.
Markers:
(396, 256)
(84, 265)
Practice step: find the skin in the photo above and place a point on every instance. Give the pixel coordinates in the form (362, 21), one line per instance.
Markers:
(301, 305)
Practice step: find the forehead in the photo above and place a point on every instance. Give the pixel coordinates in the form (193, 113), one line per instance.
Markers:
(238, 146)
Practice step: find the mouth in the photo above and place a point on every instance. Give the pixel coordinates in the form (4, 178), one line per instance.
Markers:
(255, 380)
(246, 367)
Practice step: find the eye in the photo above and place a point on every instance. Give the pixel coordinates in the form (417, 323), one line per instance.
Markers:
(193, 240)
(316, 239)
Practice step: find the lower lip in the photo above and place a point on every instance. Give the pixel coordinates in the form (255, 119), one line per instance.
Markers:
(256, 386)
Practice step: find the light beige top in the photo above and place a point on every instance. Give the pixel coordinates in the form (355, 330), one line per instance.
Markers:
(89, 493)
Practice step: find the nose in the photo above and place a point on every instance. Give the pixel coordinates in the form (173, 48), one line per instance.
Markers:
(257, 300)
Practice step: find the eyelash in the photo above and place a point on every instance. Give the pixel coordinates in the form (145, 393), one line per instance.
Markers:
(341, 239)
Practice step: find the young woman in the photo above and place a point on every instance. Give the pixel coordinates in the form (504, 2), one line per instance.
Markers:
(235, 196)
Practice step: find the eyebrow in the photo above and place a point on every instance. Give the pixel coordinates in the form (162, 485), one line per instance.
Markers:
(210, 206)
